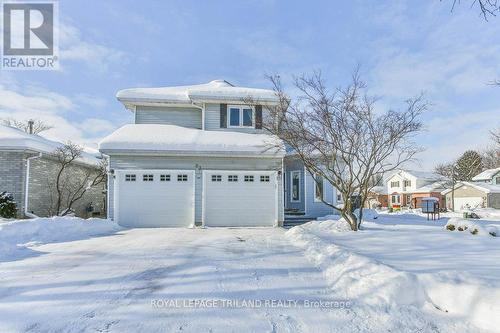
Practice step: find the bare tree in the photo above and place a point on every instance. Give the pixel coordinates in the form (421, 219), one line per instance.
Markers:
(488, 8)
(340, 138)
(491, 155)
(32, 126)
(70, 187)
(495, 135)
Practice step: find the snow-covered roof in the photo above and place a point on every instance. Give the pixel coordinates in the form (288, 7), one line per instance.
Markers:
(422, 175)
(217, 90)
(486, 188)
(189, 141)
(379, 189)
(15, 139)
(432, 187)
(486, 174)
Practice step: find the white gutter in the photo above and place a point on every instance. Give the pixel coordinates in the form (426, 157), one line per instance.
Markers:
(26, 189)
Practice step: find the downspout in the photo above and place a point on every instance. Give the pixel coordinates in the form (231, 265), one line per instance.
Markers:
(26, 189)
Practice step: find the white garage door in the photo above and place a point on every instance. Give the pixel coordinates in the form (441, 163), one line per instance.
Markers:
(472, 202)
(239, 198)
(154, 198)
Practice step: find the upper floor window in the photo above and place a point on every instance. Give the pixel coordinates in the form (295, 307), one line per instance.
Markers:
(407, 183)
(395, 184)
(497, 180)
(240, 116)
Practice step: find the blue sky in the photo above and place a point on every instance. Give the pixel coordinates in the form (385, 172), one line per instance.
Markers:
(403, 47)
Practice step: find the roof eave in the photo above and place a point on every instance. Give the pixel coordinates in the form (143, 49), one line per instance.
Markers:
(140, 152)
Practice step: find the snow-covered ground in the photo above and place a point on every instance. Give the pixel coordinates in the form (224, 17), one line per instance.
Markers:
(402, 260)
(84, 276)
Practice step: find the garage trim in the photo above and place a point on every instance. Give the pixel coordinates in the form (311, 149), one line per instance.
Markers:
(272, 173)
(118, 173)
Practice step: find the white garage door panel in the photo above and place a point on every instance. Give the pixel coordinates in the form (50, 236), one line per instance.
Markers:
(240, 203)
(472, 202)
(155, 203)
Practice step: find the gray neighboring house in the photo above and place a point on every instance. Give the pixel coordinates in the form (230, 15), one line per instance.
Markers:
(27, 164)
(198, 155)
(473, 195)
(489, 176)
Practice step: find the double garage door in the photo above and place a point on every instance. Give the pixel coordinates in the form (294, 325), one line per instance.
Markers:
(169, 198)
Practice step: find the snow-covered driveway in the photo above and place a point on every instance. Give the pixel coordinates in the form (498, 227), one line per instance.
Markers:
(112, 283)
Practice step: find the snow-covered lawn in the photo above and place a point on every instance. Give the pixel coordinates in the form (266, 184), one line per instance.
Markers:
(404, 260)
(72, 275)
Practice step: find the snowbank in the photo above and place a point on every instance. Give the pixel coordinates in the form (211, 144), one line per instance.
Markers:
(16, 236)
(365, 280)
(358, 278)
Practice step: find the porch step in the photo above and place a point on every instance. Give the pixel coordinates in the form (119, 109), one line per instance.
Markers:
(292, 221)
(294, 212)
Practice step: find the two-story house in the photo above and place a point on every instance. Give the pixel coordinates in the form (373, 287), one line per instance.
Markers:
(406, 188)
(198, 155)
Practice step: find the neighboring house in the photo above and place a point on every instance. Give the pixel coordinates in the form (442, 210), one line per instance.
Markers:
(377, 198)
(473, 195)
(490, 176)
(198, 155)
(406, 188)
(28, 168)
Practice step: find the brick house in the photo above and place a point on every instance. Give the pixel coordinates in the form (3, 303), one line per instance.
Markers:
(406, 188)
(28, 168)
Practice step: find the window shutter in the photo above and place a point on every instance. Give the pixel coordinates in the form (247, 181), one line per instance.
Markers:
(258, 116)
(223, 115)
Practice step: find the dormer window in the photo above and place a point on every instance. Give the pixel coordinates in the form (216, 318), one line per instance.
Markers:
(240, 116)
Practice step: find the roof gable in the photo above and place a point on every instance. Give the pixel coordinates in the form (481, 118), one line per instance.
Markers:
(486, 174)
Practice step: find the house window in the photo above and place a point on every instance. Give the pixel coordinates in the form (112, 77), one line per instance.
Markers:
(318, 188)
(339, 197)
(395, 199)
(182, 178)
(240, 116)
(249, 178)
(147, 178)
(216, 178)
(497, 180)
(130, 178)
(232, 178)
(295, 194)
(407, 183)
(264, 179)
(395, 184)
(164, 178)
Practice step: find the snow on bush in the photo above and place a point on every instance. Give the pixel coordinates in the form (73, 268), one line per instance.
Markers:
(475, 228)
(7, 205)
(19, 234)
(368, 215)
